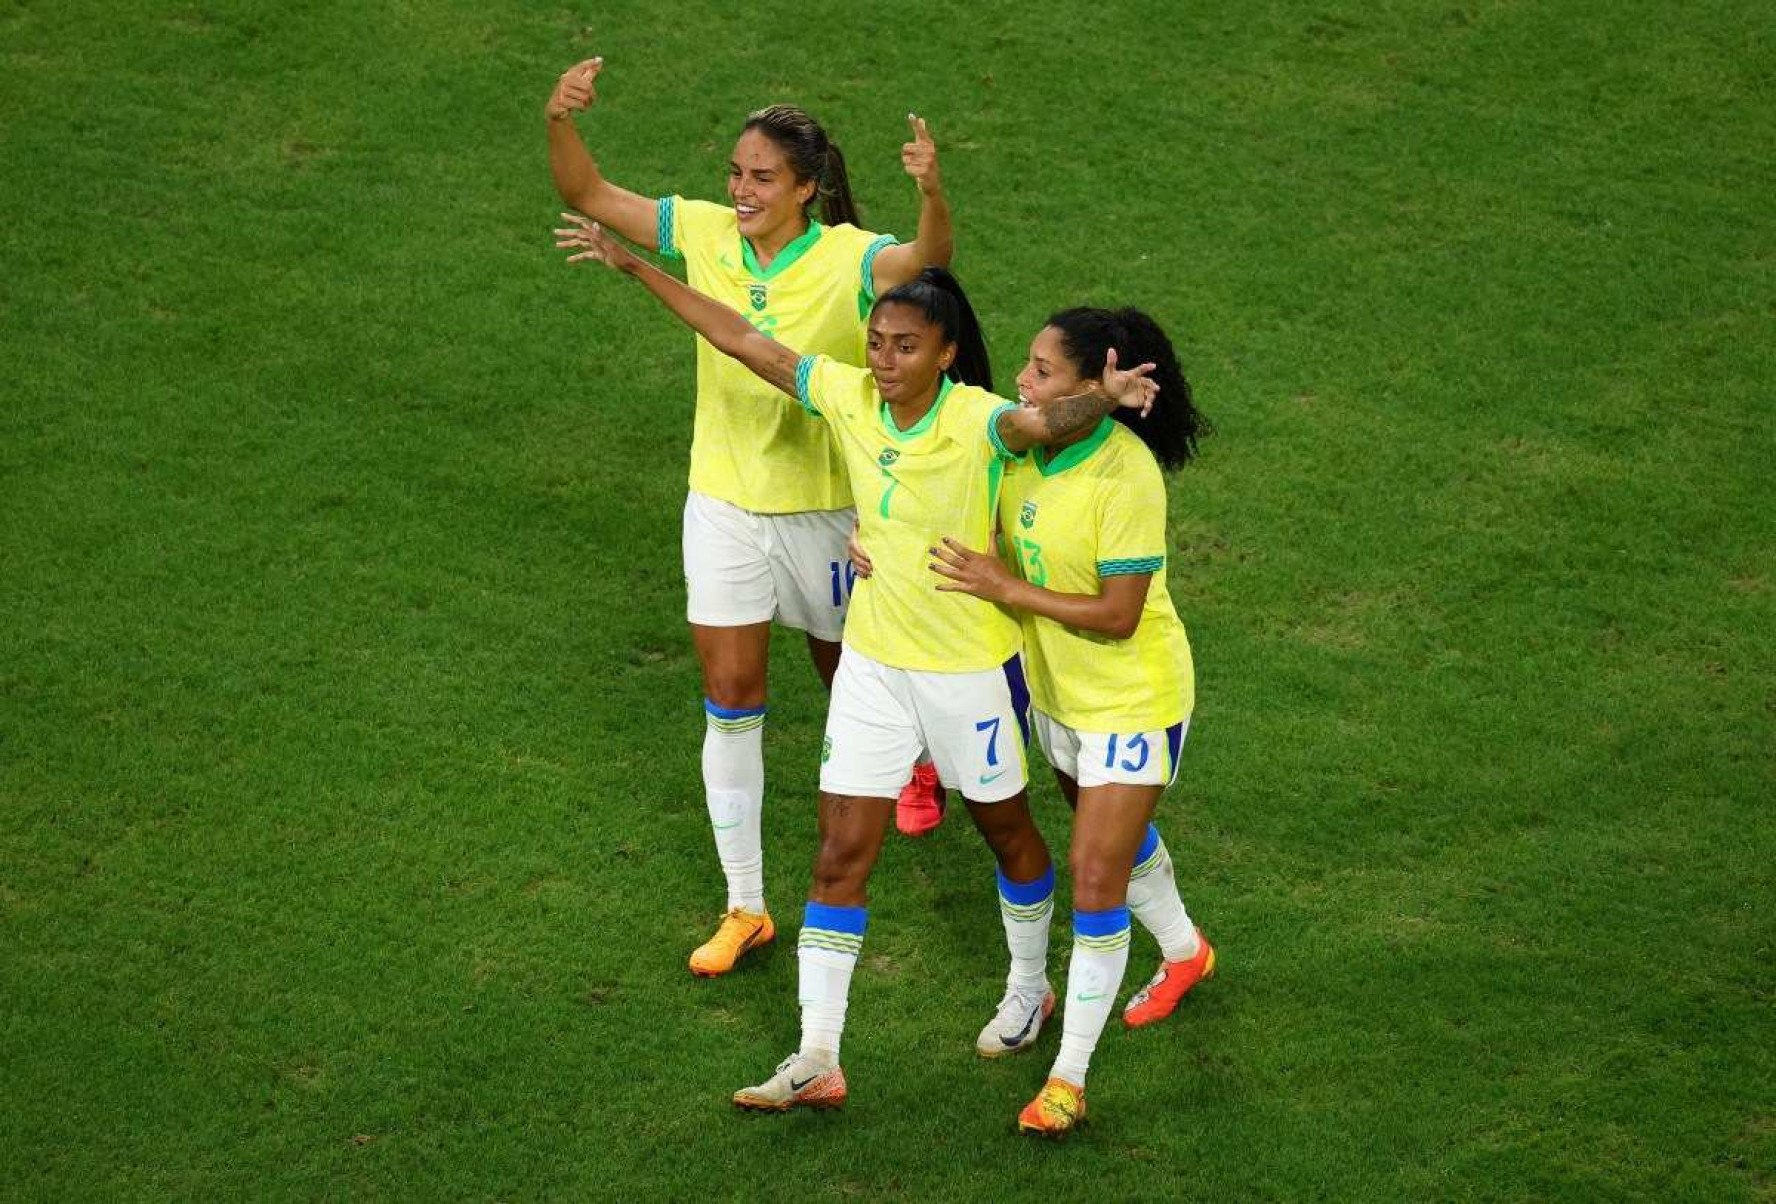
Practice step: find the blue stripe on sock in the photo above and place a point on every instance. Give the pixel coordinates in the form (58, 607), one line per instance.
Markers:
(1108, 922)
(1149, 844)
(1026, 893)
(835, 919)
(725, 713)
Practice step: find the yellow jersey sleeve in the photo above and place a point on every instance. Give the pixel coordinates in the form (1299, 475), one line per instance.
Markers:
(1131, 521)
(749, 445)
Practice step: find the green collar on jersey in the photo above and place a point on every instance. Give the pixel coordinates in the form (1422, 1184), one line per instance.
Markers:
(924, 424)
(1074, 453)
(792, 251)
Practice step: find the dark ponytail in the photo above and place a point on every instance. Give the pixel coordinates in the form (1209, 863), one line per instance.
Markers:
(837, 208)
(936, 294)
(812, 156)
(1173, 426)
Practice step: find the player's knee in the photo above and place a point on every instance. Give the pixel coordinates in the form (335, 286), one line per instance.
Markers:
(1097, 884)
(841, 872)
(734, 690)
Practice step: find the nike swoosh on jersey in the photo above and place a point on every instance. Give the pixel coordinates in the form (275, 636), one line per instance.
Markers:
(989, 778)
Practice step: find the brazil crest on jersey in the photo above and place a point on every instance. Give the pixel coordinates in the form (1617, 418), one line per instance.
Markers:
(1095, 510)
(750, 446)
(914, 487)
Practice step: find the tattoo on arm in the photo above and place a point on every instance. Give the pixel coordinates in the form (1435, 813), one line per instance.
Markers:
(1070, 415)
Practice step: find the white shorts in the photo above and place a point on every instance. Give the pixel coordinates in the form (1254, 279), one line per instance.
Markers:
(743, 568)
(974, 725)
(1112, 758)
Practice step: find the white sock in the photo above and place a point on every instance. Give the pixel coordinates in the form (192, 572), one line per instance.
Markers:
(1154, 902)
(1027, 908)
(826, 953)
(1100, 956)
(734, 787)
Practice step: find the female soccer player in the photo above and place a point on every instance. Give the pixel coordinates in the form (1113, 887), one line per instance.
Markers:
(940, 672)
(768, 511)
(1111, 677)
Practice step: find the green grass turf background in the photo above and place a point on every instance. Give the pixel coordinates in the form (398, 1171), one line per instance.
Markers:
(351, 838)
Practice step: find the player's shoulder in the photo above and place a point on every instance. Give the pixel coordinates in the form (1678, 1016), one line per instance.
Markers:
(848, 238)
(974, 401)
(829, 386)
(704, 219)
(1124, 455)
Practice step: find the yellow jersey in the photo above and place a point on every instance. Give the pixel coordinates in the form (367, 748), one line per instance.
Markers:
(750, 446)
(914, 487)
(1095, 510)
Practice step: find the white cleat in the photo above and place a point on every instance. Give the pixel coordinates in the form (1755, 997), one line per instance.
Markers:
(800, 1081)
(1016, 1025)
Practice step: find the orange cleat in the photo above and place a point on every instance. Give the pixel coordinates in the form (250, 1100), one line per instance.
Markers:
(1160, 997)
(921, 805)
(1056, 1110)
(739, 932)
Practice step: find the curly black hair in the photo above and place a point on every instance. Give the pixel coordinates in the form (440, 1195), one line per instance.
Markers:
(1172, 427)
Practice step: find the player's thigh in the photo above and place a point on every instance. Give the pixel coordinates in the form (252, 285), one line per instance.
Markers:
(1109, 824)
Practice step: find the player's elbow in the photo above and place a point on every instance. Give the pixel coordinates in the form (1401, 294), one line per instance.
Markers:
(1121, 626)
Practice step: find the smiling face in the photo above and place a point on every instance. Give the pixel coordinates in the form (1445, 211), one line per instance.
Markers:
(907, 353)
(1049, 373)
(768, 199)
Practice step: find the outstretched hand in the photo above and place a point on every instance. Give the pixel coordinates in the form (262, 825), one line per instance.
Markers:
(1132, 389)
(970, 572)
(589, 240)
(919, 156)
(574, 91)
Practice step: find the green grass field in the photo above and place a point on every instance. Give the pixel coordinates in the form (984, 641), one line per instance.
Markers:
(351, 833)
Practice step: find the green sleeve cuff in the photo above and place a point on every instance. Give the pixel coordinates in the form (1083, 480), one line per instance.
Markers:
(1129, 566)
(666, 207)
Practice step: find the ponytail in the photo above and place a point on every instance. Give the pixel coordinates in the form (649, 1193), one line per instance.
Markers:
(939, 297)
(812, 156)
(837, 208)
(1174, 424)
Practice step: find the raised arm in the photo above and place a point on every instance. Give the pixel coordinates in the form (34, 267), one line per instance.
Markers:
(577, 177)
(1115, 610)
(1056, 421)
(727, 331)
(934, 243)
